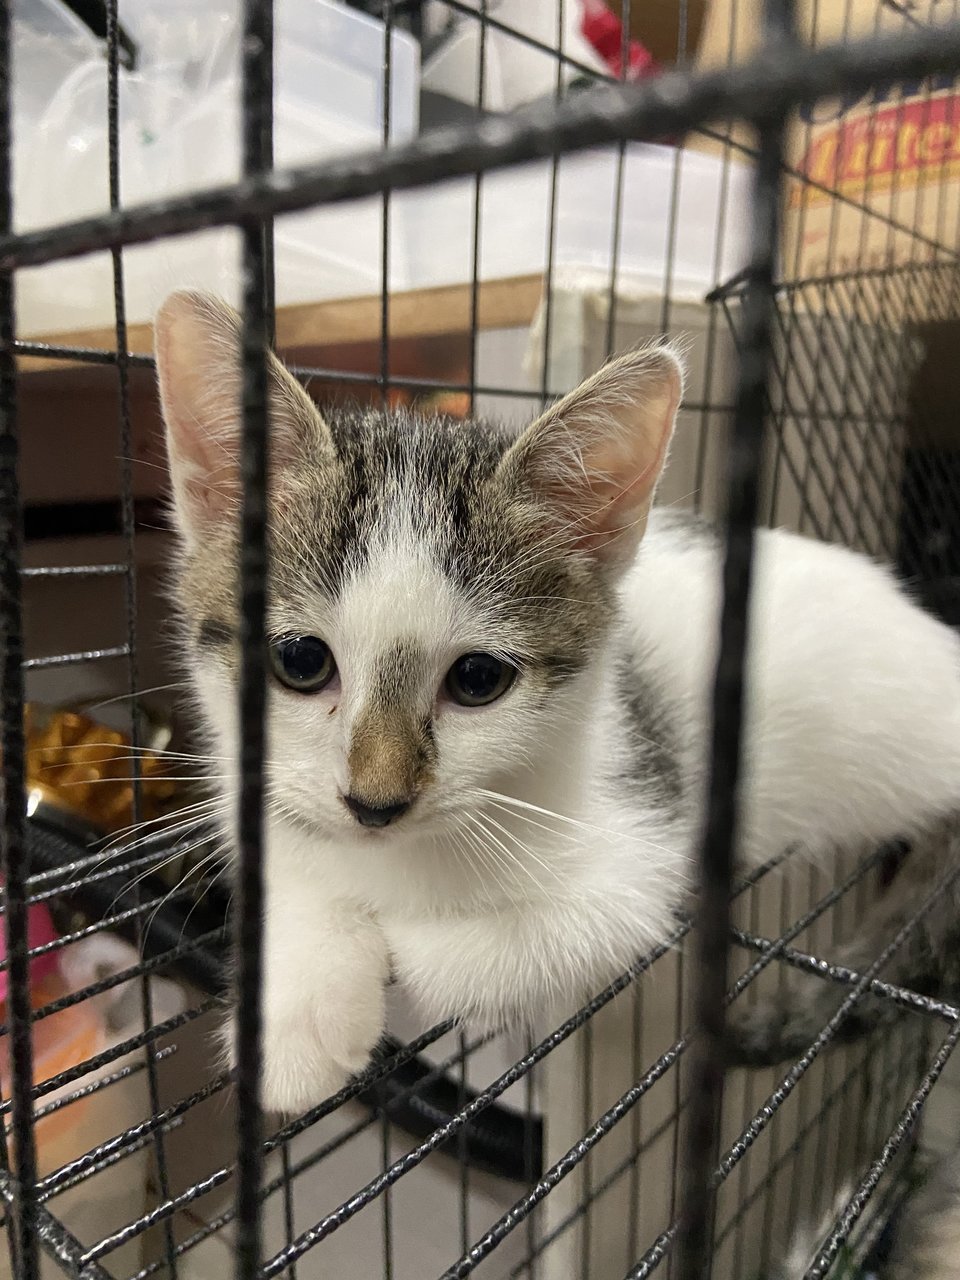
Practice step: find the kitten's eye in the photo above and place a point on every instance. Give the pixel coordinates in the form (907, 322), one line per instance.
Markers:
(479, 678)
(304, 663)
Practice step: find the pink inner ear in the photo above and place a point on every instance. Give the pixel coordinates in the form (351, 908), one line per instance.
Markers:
(200, 387)
(619, 423)
(214, 494)
(203, 467)
(620, 502)
(197, 367)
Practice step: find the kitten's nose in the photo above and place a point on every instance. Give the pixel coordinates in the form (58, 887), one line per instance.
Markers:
(371, 816)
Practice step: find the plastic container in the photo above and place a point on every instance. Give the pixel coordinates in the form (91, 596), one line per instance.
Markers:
(60, 1042)
(181, 128)
(180, 131)
(49, 44)
(337, 252)
(330, 59)
(66, 1040)
(49, 41)
(516, 70)
(515, 207)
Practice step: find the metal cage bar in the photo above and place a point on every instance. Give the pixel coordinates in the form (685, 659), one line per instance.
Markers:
(760, 92)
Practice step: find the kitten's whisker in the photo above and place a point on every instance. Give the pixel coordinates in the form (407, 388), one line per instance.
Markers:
(547, 544)
(63, 765)
(136, 752)
(488, 856)
(182, 755)
(211, 804)
(665, 506)
(526, 850)
(526, 817)
(514, 802)
(166, 825)
(172, 777)
(561, 817)
(509, 858)
(460, 836)
(138, 693)
(184, 830)
(193, 870)
(124, 849)
(207, 888)
(152, 870)
(180, 831)
(538, 554)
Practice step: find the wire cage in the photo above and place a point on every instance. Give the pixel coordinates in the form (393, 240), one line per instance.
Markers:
(614, 1144)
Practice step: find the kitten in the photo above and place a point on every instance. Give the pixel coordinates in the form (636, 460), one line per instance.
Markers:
(490, 666)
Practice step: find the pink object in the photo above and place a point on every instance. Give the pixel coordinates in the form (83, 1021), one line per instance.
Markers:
(605, 32)
(40, 930)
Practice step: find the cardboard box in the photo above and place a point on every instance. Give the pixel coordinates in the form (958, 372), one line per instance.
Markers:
(668, 29)
(891, 155)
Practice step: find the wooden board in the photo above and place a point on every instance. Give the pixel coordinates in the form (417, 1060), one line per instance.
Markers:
(310, 327)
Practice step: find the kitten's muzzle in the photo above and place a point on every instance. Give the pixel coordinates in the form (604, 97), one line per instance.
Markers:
(373, 816)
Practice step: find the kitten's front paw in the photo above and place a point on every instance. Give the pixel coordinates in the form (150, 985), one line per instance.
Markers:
(311, 1050)
(757, 1034)
(312, 1042)
(298, 1070)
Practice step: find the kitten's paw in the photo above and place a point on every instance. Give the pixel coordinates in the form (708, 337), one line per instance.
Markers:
(323, 1002)
(310, 1050)
(757, 1034)
(298, 1070)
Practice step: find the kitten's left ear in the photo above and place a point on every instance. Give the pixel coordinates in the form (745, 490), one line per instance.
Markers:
(596, 455)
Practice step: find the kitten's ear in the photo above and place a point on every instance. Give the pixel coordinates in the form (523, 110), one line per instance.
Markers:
(197, 342)
(597, 454)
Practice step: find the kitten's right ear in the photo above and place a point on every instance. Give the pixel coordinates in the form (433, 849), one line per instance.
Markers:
(197, 342)
(596, 455)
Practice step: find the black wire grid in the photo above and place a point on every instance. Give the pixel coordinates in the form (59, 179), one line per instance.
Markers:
(665, 1168)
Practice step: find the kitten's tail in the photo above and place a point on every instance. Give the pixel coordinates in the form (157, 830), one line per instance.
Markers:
(783, 1024)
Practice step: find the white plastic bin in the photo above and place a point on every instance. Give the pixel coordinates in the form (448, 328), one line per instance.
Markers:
(49, 40)
(515, 206)
(180, 131)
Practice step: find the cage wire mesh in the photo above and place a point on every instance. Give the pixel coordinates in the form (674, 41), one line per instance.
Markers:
(612, 1145)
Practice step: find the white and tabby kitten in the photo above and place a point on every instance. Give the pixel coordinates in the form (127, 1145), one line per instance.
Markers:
(488, 697)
